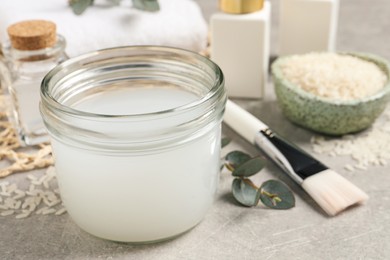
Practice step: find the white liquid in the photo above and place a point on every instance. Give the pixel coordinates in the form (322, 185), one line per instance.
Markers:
(139, 198)
(141, 100)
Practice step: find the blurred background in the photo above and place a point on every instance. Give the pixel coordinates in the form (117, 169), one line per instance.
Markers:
(364, 25)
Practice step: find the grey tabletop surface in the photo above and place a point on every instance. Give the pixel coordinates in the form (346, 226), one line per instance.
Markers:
(230, 231)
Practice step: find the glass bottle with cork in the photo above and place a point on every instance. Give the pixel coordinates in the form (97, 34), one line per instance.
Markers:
(33, 49)
(240, 45)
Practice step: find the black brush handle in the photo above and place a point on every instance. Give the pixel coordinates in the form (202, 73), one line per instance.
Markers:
(303, 164)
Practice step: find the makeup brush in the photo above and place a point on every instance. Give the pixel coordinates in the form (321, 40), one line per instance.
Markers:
(332, 192)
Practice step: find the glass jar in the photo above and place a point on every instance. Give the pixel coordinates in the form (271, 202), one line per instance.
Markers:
(21, 74)
(136, 137)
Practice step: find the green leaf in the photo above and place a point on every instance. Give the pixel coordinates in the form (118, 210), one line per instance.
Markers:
(225, 141)
(146, 5)
(236, 158)
(221, 165)
(245, 192)
(79, 6)
(115, 2)
(250, 167)
(276, 195)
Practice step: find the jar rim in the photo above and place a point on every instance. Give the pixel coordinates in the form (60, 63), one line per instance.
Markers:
(215, 90)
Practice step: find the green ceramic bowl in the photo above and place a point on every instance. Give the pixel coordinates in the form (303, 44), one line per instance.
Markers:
(326, 116)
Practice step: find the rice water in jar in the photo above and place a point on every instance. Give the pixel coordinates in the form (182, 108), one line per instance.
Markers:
(136, 137)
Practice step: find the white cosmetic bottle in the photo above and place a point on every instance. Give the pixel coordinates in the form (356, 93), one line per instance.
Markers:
(240, 43)
(307, 26)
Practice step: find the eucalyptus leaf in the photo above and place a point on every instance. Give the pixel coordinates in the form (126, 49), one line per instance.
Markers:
(244, 192)
(225, 141)
(275, 194)
(236, 158)
(79, 6)
(146, 5)
(115, 2)
(221, 165)
(250, 167)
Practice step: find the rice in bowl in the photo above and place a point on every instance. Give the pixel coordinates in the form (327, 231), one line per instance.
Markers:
(332, 93)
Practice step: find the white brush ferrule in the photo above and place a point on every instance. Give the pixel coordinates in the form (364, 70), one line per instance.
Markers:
(242, 122)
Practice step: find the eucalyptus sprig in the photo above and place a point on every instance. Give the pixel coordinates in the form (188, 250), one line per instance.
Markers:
(79, 6)
(272, 193)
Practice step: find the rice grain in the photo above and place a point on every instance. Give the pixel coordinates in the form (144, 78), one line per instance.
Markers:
(7, 213)
(39, 198)
(23, 215)
(334, 76)
(48, 211)
(60, 211)
(368, 148)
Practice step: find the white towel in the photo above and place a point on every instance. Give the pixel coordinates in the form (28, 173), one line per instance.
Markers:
(179, 23)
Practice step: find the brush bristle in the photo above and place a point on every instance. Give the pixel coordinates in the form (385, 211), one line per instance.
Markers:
(333, 192)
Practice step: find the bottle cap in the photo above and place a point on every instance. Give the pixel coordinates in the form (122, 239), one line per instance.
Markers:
(32, 34)
(240, 6)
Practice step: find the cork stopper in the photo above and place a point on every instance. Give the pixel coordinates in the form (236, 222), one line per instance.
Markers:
(32, 35)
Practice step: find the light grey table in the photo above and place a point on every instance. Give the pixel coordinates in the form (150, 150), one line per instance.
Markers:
(233, 232)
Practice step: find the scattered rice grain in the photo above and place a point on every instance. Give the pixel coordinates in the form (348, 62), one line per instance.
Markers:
(36, 182)
(19, 194)
(46, 202)
(3, 184)
(42, 178)
(360, 167)
(39, 211)
(17, 204)
(7, 213)
(11, 188)
(23, 215)
(34, 193)
(10, 203)
(31, 177)
(31, 188)
(48, 211)
(54, 203)
(368, 148)
(31, 207)
(50, 195)
(60, 211)
(5, 194)
(382, 162)
(46, 184)
(39, 198)
(27, 201)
